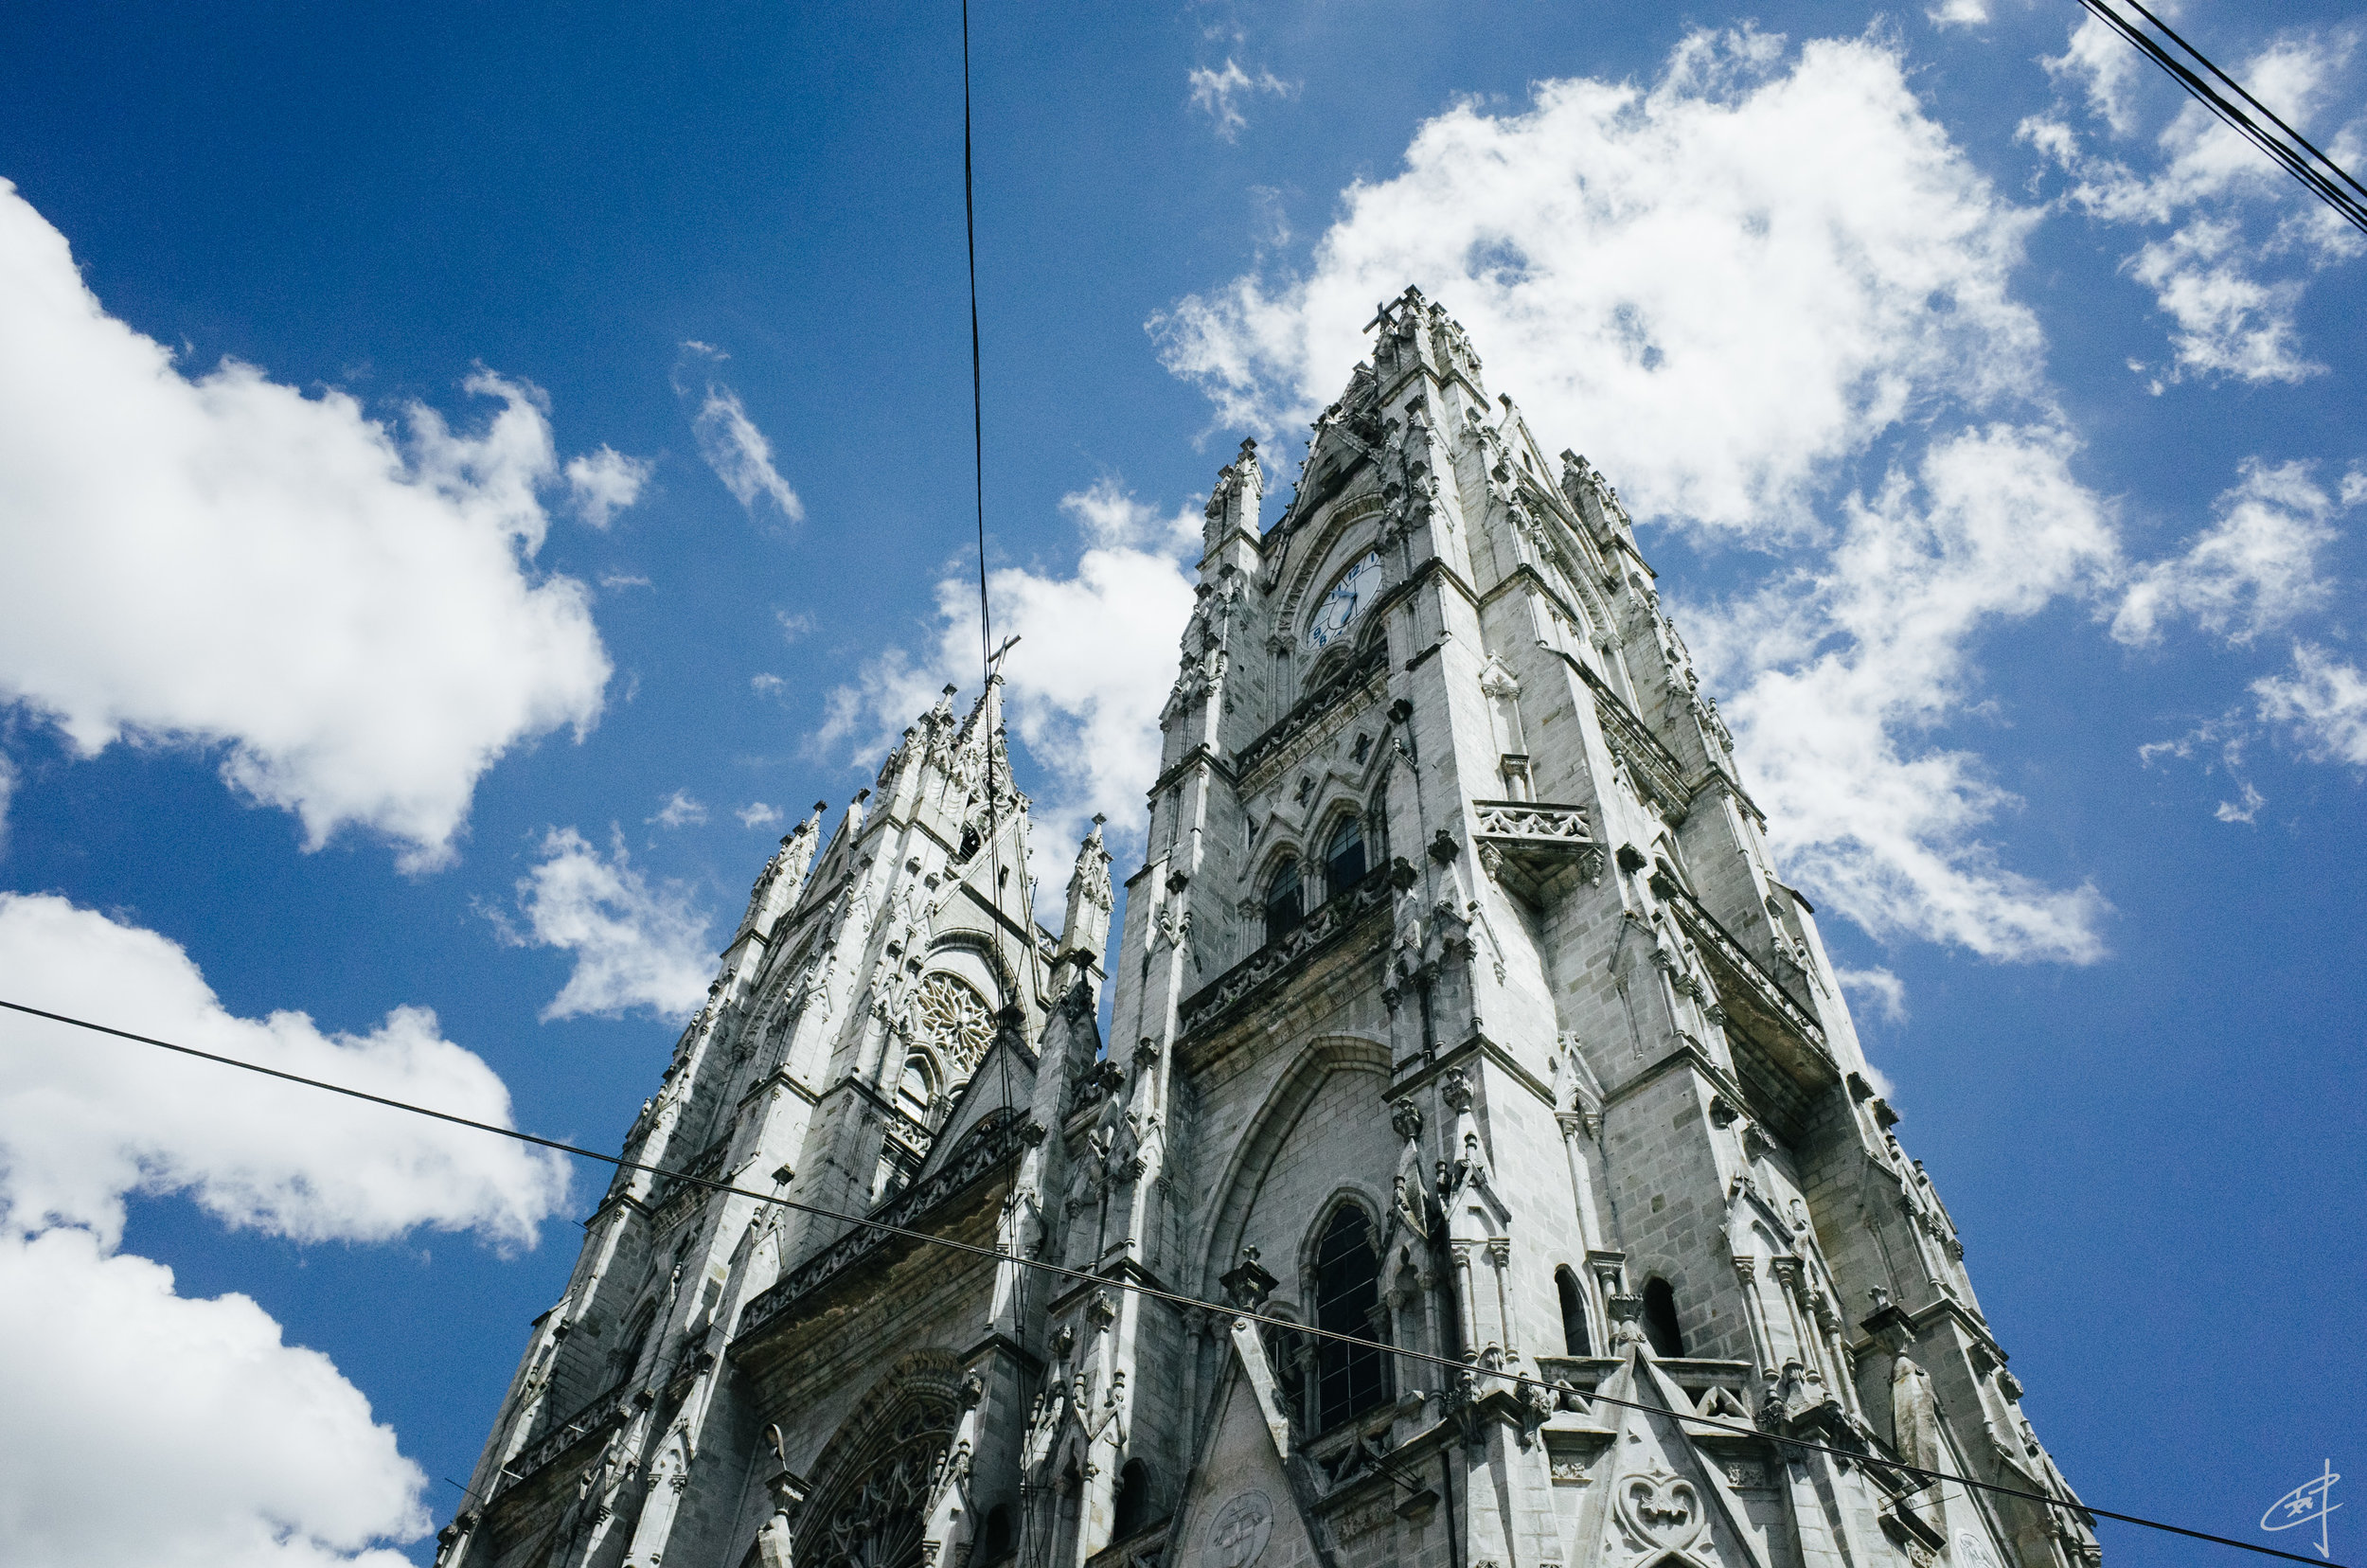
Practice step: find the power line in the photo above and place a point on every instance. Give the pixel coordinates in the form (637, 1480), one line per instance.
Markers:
(1153, 1292)
(2291, 150)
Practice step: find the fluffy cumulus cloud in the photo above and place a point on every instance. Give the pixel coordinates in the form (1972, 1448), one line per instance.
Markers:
(1728, 285)
(1727, 281)
(2254, 570)
(740, 454)
(347, 615)
(1083, 689)
(636, 945)
(184, 1433)
(245, 1449)
(2243, 239)
(85, 1120)
(1842, 668)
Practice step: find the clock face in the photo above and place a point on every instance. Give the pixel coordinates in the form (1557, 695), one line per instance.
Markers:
(1336, 608)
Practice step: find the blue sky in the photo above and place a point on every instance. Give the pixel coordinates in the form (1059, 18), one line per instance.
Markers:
(470, 475)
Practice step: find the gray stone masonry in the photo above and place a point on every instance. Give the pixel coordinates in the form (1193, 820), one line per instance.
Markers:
(1458, 1005)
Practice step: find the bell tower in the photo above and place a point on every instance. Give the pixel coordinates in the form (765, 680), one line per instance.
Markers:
(1469, 1013)
(1463, 1030)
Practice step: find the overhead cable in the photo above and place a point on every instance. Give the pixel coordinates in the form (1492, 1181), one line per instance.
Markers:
(2294, 153)
(1231, 1310)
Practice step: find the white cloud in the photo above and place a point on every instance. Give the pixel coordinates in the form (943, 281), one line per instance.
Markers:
(1734, 281)
(1220, 93)
(793, 627)
(2254, 569)
(1728, 281)
(2104, 67)
(1841, 668)
(739, 453)
(2246, 806)
(767, 684)
(757, 815)
(637, 946)
(617, 581)
(1958, 13)
(85, 1120)
(2322, 702)
(222, 562)
(1886, 991)
(604, 483)
(1083, 689)
(2229, 323)
(2216, 190)
(246, 1450)
(147, 1427)
(679, 811)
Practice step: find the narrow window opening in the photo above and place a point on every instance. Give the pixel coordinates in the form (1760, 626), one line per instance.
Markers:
(994, 1540)
(1349, 1379)
(917, 1089)
(1659, 1318)
(1343, 857)
(1133, 1500)
(1573, 1336)
(1285, 909)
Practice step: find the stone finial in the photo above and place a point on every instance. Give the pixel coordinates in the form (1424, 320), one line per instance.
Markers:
(1406, 1118)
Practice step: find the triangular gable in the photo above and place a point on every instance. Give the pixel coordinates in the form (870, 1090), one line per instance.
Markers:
(1656, 1497)
(1243, 1506)
(984, 1096)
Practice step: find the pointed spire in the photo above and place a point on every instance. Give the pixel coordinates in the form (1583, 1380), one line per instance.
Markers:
(1085, 929)
(1233, 504)
(778, 884)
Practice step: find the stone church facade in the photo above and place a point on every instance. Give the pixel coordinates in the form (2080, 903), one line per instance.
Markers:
(1458, 1008)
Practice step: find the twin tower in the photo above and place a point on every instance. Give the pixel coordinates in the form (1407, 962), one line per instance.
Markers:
(1458, 1016)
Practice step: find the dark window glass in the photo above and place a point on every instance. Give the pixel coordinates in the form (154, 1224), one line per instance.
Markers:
(1349, 1379)
(1573, 1340)
(1285, 909)
(1659, 1318)
(1343, 857)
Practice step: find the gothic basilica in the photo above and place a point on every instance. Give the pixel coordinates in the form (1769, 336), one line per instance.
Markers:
(1481, 1170)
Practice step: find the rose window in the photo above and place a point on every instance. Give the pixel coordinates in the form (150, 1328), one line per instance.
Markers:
(955, 1022)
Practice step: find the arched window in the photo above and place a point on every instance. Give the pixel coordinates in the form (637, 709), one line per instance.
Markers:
(1343, 857)
(1659, 1318)
(1133, 1500)
(625, 1357)
(1349, 1379)
(917, 1088)
(1574, 1337)
(1285, 908)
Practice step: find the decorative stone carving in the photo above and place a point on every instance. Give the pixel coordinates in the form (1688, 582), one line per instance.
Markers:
(1660, 1513)
(1237, 1536)
(952, 1019)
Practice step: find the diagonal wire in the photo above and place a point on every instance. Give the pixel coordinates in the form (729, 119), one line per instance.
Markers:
(1235, 1311)
(2303, 162)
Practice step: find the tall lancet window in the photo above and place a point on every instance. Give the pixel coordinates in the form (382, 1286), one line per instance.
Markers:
(1343, 857)
(1659, 1318)
(1573, 1336)
(1285, 907)
(1349, 1379)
